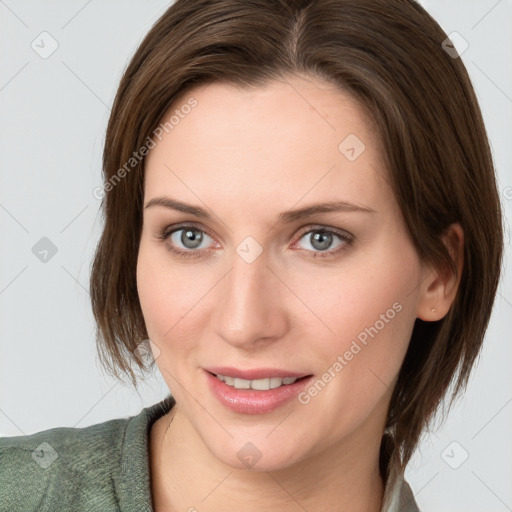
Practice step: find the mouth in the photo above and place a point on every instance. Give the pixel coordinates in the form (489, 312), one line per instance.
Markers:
(261, 384)
(258, 391)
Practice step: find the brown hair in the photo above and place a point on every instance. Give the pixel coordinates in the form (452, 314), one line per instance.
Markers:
(389, 56)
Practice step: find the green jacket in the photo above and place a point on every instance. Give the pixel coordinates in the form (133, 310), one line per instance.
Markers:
(103, 467)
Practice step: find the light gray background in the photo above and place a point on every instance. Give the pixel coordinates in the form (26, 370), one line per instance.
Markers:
(53, 119)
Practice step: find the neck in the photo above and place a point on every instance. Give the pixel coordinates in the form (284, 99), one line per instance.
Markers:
(187, 477)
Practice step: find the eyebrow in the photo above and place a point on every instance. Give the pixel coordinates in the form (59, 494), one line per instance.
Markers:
(283, 217)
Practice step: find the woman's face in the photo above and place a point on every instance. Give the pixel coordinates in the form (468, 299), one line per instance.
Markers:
(330, 294)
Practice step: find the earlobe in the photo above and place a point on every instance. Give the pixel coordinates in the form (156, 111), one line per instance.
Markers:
(439, 287)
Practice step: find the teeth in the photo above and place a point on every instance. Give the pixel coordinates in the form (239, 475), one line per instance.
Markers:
(259, 384)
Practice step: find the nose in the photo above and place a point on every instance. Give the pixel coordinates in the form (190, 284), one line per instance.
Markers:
(250, 304)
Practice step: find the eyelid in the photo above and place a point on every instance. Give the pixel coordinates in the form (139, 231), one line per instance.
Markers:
(346, 238)
(168, 230)
(171, 228)
(322, 227)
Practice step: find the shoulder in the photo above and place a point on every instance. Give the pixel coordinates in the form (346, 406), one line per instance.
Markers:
(398, 496)
(61, 468)
(103, 467)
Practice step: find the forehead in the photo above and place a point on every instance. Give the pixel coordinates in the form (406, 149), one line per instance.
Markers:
(287, 140)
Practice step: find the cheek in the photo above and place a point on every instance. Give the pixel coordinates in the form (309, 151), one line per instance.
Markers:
(368, 311)
(350, 300)
(161, 302)
(360, 361)
(170, 297)
(159, 292)
(149, 289)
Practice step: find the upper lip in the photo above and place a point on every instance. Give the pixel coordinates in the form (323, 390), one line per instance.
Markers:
(254, 374)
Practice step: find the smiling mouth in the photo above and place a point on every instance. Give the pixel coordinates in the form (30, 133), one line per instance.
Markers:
(263, 384)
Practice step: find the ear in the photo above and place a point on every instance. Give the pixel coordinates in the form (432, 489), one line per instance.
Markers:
(439, 287)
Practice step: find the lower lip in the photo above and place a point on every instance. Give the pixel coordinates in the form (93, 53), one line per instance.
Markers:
(250, 401)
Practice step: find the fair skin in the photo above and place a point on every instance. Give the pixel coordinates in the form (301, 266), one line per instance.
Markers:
(245, 156)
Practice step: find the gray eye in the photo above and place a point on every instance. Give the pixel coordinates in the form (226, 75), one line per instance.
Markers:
(190, 238)
(321, 240)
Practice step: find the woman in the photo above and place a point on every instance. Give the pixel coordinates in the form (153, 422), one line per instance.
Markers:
(290, 203)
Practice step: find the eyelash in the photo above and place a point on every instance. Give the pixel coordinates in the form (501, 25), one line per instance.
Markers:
(345, 237)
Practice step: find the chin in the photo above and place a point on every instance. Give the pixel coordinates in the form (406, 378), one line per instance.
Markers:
(256, 455)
